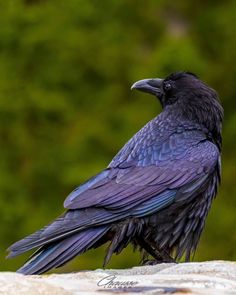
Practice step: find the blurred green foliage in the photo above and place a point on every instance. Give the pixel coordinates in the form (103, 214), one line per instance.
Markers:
(66, 108)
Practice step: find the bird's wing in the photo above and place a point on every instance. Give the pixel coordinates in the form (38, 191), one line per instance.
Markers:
(148, 181)
(148, 171)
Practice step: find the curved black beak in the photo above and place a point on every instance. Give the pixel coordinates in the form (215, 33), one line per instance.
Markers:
(152, 86)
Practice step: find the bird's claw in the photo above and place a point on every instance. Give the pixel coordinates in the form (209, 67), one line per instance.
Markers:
(155, 262)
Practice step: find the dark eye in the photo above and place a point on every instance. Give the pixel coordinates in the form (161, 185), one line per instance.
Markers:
(167, 86)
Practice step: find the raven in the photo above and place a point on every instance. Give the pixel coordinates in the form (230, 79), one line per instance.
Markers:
(155, 193)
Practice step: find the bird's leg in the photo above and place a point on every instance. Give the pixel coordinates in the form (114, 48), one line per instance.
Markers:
(164, 254)
(160, 256)
(155, 253)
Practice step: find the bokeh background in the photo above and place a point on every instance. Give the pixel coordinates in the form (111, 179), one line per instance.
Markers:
(66, 108)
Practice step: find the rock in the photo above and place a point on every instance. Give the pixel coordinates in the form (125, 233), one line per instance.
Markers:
(212, 278)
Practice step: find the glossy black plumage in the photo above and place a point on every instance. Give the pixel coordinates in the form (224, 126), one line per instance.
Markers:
(155, 193)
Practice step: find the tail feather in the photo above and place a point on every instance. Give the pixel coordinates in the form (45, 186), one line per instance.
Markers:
(71, 222)
(26, 244)
(58, 253)
(34, 241)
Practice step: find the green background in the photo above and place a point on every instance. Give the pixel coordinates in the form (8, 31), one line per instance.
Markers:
(66, 108)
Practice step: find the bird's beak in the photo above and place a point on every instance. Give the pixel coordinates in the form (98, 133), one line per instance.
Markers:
(152, 86)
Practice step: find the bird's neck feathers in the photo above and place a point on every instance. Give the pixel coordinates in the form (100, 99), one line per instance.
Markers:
(202, 107)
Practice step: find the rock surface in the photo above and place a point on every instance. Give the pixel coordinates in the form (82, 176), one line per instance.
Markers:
(212, 278)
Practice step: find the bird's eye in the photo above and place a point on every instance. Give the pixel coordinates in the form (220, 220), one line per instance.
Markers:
(167, 86)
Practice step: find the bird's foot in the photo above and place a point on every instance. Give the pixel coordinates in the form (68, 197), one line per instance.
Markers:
(155, 262)
(151, 262)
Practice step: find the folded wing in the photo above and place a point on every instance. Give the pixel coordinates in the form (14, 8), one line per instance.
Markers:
(137, 184)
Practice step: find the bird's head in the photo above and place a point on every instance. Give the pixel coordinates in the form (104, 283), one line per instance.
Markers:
(184, 94)
(180, 86)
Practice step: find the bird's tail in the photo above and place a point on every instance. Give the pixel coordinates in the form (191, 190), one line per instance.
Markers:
(57, 253)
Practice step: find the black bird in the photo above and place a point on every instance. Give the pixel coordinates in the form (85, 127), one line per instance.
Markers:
(156, 192)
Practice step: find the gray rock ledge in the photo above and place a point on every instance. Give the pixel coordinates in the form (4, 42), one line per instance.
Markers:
(212, 278)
